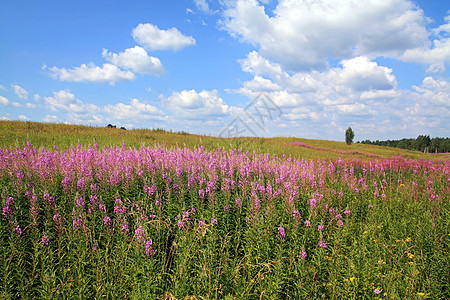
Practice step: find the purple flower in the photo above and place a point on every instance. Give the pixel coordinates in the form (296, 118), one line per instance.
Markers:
(18, 230)
(281, 233)
(80, 203)
(44, 240)
(213, 221)
(377, 291)
(149, 248)
(297, 215)
(370, 206)
(201, 223)
(107, 221)
(302, 255)
(125, 227)
(307, 223)
(139, 234)
(320, 227)
(322, 244)
(238, 203)
(226, 208)
(347, 212)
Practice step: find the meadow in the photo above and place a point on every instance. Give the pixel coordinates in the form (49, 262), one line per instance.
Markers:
(93, 213)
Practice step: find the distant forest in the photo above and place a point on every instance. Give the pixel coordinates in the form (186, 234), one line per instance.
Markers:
(421, 143)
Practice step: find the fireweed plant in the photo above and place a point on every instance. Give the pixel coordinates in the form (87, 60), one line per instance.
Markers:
(160, 223)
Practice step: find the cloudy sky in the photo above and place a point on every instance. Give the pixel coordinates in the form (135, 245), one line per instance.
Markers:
(304, 68)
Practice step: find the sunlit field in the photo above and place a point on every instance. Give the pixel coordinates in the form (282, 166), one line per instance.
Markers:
(210, 218)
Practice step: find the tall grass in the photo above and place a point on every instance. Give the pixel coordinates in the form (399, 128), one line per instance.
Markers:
(164, 223)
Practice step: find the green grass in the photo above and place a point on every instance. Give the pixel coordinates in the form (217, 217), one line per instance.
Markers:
(17, 133)
(394, 237)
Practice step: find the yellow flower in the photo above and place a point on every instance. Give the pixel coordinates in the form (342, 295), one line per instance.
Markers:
(410, 255)
(408, 240)
(352, 267)
(352, 279)
(420, 294)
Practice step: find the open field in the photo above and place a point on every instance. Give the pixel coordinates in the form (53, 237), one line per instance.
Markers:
(107, 213)
(16, 134)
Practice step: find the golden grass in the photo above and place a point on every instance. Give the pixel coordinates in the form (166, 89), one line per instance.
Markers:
(15, 134)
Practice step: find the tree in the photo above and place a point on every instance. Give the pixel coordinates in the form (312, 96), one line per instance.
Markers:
(349, 135)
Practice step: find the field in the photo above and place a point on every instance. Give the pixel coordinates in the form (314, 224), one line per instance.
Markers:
(95, 213)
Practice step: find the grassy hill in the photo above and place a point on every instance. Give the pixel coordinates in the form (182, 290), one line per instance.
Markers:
(16, 134)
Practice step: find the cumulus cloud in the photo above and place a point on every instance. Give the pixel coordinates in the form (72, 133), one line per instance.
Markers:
(203, 6)
(23, 118)
(153, 38)
(5, 102)
(303, 35)
(194, 105)
(136, 59)
(90, 72)
(437, 56)
(50, 119)
(65, 100)
(31, 105)
(134, 111)
(20, 91)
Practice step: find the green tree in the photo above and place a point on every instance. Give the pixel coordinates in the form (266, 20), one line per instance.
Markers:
(349, 135)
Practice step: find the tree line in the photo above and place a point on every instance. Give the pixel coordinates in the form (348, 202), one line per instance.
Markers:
(422, 143)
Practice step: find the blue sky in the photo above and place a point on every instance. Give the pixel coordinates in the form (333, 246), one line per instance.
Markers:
(380, 67)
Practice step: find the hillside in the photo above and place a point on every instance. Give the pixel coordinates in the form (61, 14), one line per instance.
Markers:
(15, 134)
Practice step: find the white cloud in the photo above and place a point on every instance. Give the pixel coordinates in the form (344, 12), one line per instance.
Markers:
(65, 100)
(4, 118)
(135, 59)
(361, 74)
(2, 87)
(50, 119)
(438, 55)
(20, 91)
(193, 105)
(203, 6)
(303, 35)
(107, 73)
(134, 111)
(153, 38)
(31, 105)
(23, 118)
(4, 101)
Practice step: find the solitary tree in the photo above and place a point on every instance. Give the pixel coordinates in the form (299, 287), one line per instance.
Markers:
(349, 135)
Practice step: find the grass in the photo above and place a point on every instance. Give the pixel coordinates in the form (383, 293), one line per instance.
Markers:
(147, 221)
(17, 133)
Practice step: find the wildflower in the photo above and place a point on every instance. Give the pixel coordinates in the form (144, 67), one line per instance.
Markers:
(297, 215)
(238, 203)
(408, 240)
(320, 227)
(226, 208)
(370, 206)
(125, 227)
(213, 221)
(377, 291)
(107, 221)
(149, 248)
(139, 234)
(302, 255)
(281, 233)
(410, 255)
(94, 248)
(347, 212)
(18, 230)
(44, 240)
(307, 223)
(322, 244)
(201, 223)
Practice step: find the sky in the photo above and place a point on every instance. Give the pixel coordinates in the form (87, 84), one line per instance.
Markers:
(297, 68)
